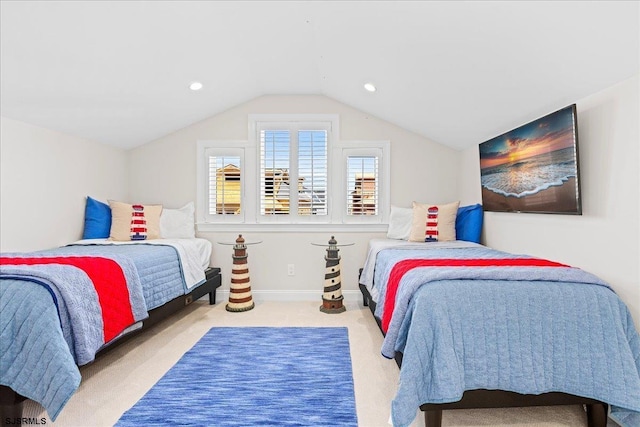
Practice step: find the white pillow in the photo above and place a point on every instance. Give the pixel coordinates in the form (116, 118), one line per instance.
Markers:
(178, 223)
(400, 221)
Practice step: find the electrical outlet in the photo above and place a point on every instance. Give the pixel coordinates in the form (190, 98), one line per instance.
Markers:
(291, 269)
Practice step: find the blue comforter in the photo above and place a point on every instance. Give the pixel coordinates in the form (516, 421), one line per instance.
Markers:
(527, 335)
(158, 267)
(78, 302)
(30, 333)
(48, 372)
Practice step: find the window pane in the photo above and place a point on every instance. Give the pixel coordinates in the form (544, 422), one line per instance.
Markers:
(274, 172)
(312, 172)
(362, 185)
(224, 185)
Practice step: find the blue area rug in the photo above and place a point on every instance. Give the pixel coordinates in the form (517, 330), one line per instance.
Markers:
(255, 376)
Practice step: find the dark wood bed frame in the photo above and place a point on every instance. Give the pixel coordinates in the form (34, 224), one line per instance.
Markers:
(473, 399)
(11, 403)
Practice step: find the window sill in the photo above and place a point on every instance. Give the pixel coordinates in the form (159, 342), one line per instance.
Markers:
(292, 228)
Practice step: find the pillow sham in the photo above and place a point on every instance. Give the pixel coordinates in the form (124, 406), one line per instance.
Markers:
(97, 220)
(433, 223)
(178, 223)
(469, 223)
(400, 220)
(134, 222)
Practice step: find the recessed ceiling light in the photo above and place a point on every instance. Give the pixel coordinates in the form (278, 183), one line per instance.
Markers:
(370, 87)
(195, 86)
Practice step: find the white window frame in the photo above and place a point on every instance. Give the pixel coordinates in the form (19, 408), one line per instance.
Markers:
(337, 152)
(300, 123)
(219, 148)
(345, 149)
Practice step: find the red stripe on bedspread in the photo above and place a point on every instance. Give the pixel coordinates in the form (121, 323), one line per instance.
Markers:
(402, 267)
(109, 282)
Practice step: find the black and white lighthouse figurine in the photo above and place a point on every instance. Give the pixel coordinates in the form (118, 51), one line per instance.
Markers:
(240, 298)
(332, 297)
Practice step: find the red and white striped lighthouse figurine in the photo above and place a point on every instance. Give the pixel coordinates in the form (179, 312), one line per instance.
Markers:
(240, 290)
(332, 296)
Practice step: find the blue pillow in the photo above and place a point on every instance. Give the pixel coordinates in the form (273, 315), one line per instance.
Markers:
(97, 220)
(469, 223)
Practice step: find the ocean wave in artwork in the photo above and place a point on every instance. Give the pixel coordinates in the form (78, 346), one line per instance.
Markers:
(530, 176)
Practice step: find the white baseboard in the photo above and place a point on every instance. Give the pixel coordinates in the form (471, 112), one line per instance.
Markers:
(291, 295)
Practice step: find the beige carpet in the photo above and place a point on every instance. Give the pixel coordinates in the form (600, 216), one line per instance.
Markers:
(113, 383)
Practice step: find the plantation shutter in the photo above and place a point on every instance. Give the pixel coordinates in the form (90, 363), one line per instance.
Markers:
(225, 189)
(275, 148)
(312, 172)
(362, 185)
(293, 172)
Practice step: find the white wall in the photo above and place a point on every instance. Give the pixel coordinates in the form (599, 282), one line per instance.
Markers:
(164, 171)
(605, 239)
(45, 177)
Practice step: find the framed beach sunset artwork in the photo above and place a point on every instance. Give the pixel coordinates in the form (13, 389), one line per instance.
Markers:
(533, 168)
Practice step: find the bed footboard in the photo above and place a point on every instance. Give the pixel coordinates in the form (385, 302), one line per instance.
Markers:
(10, 406)
(473, 399)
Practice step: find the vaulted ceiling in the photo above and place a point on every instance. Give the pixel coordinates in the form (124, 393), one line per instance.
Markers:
(456, 72)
